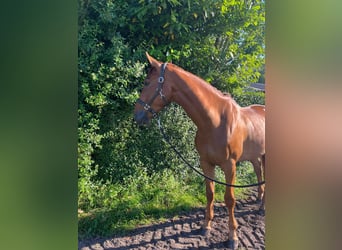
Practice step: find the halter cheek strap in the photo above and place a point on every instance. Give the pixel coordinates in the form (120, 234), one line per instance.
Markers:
(159, 91)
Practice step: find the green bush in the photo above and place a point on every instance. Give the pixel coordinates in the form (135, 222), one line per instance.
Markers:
(245, 98)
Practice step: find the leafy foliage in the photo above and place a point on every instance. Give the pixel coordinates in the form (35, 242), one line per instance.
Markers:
(221, 41)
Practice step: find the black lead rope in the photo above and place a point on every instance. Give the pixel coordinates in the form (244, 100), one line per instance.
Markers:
(166, 138)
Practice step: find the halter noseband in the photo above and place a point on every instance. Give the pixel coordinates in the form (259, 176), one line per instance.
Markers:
(159, 91)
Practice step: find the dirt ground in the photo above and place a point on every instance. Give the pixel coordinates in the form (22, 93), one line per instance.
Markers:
(184, 231)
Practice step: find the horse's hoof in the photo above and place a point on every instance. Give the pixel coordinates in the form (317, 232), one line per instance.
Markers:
(233, 244)
(261, 212)
(205, 232)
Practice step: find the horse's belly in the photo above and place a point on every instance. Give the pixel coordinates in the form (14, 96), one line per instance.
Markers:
(251, 151)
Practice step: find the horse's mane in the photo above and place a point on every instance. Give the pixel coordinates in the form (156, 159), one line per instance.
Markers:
(219, 92)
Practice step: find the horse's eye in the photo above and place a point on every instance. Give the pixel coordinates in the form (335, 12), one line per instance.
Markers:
(148, 70)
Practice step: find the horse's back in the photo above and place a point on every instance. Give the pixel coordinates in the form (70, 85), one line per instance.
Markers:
(260, 109)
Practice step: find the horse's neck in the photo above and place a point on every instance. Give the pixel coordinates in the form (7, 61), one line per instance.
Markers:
(199, 100)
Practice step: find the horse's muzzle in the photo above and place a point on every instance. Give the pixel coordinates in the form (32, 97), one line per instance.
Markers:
(141, 118)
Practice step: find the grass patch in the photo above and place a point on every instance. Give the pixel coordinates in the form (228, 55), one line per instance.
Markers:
(144, 199)
(140, 200)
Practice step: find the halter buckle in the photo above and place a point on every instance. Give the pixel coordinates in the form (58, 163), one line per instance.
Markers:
(147, 107)
(161, 79)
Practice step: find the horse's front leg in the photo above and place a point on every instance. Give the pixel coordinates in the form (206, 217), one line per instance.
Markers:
(229, 198)
(209, 170)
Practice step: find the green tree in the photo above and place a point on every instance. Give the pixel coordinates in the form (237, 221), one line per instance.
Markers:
(221, 41)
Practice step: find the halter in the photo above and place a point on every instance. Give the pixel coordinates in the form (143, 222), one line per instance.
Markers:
(159, 91)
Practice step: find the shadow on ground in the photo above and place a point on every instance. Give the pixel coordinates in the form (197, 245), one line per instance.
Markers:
(184, 231)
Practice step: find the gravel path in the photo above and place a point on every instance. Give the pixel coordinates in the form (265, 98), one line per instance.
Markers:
(184, 232)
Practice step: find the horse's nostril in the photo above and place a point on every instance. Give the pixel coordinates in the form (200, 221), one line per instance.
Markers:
(138, 116)
(141, 118)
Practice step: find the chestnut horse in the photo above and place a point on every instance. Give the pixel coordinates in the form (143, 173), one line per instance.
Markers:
(226, 132)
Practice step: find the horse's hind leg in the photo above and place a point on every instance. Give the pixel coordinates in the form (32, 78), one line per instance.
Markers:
(258, 168)
(263, 162)
(209, 170)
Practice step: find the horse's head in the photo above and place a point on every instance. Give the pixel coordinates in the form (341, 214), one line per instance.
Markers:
(155, 95)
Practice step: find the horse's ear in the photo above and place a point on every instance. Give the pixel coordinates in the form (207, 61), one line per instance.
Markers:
(152, 61)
